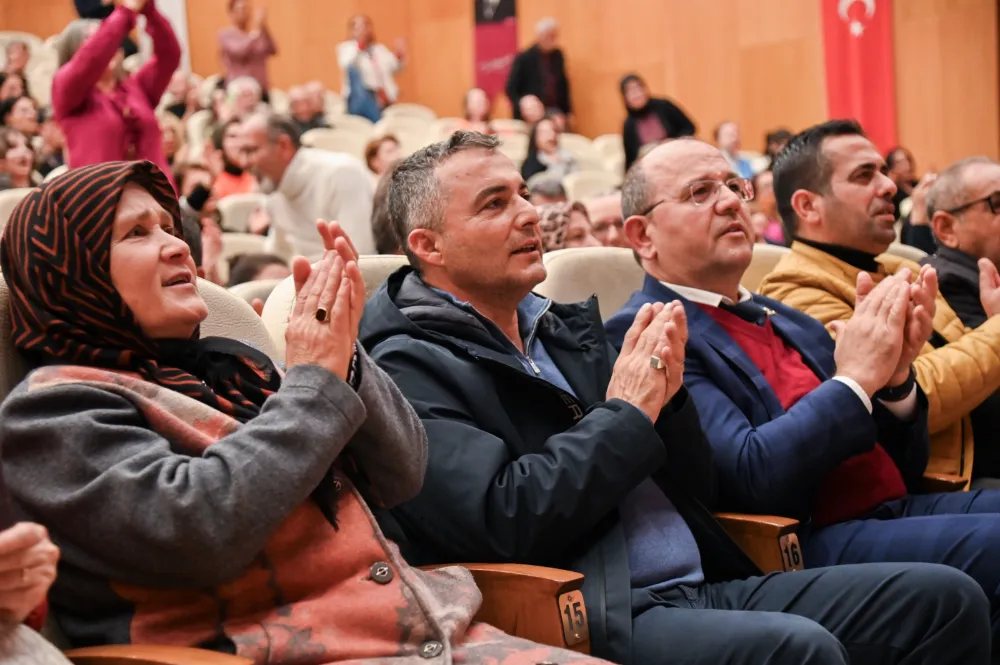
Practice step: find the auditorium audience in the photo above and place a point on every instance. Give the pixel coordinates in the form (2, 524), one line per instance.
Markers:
(251, 267)
(368, 69)
(727, 138)
(16, 159)
(837, 203)
(902, 170)
(174, 141)
(228, 158)
(304, 110)
(183, 95)
(244, 49)
(649, 119)
(277, 470)
(20, 113)
(605, 212)
(93, 97)
(832, 434)
(100, 10)
(17, 55)
(50, 154)
(309, 184)
(381, 153)
(546, 448)
(964, 204)
(565, 226)
(543, 190)
(12, 86)
(545, 155)
(540, 71)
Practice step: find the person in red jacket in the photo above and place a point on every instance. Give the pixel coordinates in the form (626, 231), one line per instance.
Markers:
(107, 115)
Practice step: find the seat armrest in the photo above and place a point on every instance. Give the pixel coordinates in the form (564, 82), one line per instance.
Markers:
(934, 483)
(768, 540)
(144, 654)
(544, 605)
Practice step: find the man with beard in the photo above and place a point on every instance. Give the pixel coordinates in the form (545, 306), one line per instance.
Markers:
(837, 204)
(309, 184)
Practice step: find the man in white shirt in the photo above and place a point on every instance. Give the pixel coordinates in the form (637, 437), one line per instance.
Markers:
(309, 184)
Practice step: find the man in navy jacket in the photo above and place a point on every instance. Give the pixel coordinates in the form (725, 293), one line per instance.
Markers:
(546, 447)
(834, 435)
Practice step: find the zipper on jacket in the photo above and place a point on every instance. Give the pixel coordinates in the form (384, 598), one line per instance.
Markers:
(531, 337)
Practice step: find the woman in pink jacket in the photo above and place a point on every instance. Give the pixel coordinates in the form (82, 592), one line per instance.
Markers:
(106, 114)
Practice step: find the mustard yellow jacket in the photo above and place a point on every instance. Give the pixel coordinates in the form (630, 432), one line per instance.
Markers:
(956, 377)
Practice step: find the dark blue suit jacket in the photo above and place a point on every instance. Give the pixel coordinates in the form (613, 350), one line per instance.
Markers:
(771, 461)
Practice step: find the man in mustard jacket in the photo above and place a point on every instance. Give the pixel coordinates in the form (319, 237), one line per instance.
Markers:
(837, 204)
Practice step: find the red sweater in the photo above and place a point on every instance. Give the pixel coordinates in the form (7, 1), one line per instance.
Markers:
(857, 486)
(122, 125)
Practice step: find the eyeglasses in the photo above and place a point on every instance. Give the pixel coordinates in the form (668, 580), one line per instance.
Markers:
(704, 192)
(992, 202)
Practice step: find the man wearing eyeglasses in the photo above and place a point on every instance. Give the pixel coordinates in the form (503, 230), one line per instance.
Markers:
(834, 434)
(832, 195)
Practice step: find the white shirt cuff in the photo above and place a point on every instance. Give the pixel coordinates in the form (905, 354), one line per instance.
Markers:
(856, 387)
(904, 408)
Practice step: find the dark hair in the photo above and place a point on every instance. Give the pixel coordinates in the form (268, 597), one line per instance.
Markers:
(219, 133)
(191, 226)
(246, 267)
(371, 150)
(803, 165)
(386, 240)
(532, 164)
(7, 105)
(778, 136)
(891, 159)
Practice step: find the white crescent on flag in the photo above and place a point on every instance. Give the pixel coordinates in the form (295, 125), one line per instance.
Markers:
(856, 27)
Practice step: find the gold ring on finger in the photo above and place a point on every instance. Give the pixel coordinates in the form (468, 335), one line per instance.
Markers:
(656, 362)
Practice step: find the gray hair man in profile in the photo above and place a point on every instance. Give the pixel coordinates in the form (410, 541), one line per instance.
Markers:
(540, 70)
(963, 205)
(547, 447)
(309, 184)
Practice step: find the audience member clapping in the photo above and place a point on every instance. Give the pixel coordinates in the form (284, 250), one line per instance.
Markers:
(95, 101)
(368, 69)
(245, 48)
(16, 159)
(565, 226)
(544, 153)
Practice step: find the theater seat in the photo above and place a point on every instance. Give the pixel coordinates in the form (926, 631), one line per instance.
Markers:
(9, 200)
(906, 252)
(254, 289)
(765, 257)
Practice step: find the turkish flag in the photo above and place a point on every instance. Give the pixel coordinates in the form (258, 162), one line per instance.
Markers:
(860, 76)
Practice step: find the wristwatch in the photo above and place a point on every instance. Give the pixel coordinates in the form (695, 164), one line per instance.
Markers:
(897, 393)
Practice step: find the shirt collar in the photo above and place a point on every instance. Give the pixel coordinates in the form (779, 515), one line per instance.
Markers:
(703, 297)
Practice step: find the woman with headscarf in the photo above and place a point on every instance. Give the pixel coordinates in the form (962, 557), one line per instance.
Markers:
(544, 154)
(106, 114)
(650, 119)
(565, 226)
(201, 497)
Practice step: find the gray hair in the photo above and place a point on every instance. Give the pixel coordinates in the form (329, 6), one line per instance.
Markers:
(416, 196)
(635, 191)
(72, 38)
(545, 25)
(948, 191)
(238, 85)
(276, 126)
(548, 187)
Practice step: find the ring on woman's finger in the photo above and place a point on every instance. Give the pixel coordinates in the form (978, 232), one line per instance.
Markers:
(321, 314)
(656, 362)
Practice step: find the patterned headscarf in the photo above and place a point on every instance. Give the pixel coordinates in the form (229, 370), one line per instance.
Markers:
(554, 222)
(56, 255)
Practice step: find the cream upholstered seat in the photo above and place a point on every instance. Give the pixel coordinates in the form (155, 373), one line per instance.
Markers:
(353, 123)
(375, 269)
(576, 274)
(235, 244)
(765, 257)
(228, 316)
(9, 200)
(406, 110)
(55, 173)
(237, 208)
(906, 252)
(581, 184)
(346, 140)
(254, 289)
(613, 274)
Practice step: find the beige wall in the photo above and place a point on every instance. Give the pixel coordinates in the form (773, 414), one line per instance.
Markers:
(759, 62)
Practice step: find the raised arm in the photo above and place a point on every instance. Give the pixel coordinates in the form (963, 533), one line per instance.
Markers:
(76, 79)
(82, 459)
(154, 76)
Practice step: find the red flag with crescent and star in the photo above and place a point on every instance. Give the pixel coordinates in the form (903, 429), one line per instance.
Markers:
(860, 73)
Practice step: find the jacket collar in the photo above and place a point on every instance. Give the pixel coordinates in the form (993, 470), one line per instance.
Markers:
(849, 255)
(956, 257)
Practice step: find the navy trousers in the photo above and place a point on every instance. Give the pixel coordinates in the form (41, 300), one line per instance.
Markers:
(958, 529)
(875, 614)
